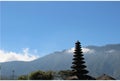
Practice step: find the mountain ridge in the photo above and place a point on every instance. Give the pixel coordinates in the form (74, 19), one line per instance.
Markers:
(101, 60)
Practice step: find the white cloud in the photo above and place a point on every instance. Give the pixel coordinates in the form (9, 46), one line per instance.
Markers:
(110, 51)
(85, 50)
(13, 56)
(71, 50)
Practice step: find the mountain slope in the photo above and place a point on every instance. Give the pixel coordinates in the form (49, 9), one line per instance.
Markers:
(99, 60)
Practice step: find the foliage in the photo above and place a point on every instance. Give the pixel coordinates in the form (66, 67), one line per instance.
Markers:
(65, 73)
(41, 75)
(23, 77)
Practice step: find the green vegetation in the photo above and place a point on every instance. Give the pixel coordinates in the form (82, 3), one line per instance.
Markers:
(41, 75)
(46, 75)
(64, 74)
(23, 77)
(38, 75)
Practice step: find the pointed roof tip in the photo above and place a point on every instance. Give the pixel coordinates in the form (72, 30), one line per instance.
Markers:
(78, 41)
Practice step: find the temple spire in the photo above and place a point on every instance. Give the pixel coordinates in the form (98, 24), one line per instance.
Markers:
(78, 67)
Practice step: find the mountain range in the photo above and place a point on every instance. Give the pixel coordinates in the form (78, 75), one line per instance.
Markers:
(99, 60)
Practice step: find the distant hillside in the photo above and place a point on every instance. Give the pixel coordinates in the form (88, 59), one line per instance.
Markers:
(99, 60)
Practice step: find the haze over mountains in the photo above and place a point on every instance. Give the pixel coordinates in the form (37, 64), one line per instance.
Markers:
(99, 60)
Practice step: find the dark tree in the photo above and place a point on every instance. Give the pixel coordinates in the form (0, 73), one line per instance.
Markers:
(64, 74)
(78, 67)
(41, 75)
(23, 77)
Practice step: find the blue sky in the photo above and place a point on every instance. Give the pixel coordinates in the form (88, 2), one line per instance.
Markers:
(54, 26)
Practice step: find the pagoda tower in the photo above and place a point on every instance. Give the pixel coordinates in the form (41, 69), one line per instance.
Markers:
(78, 67)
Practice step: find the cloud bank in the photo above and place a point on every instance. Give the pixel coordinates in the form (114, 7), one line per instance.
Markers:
(85, 50)
(25, 55)
(13, 56)
(110, 51)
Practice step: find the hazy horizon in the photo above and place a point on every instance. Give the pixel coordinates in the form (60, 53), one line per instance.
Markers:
(26, 55)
